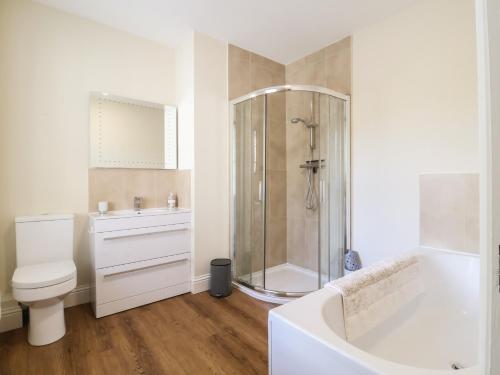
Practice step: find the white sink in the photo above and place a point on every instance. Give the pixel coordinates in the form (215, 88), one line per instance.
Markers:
(133, 213)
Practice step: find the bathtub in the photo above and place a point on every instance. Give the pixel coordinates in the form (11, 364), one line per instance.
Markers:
(437, 330)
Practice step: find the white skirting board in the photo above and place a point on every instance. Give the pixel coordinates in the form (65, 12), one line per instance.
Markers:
(78, 296)
(12, 316)
(200, 283)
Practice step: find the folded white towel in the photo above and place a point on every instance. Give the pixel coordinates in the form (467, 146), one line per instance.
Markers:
(374, 293)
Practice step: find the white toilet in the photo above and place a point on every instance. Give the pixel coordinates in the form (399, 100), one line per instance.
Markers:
(45, 273)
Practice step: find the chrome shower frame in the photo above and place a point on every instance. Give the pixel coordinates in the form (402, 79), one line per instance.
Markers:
(257, 291)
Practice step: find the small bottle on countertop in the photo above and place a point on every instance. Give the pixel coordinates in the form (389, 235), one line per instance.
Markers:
(171, 201)
(102, 207)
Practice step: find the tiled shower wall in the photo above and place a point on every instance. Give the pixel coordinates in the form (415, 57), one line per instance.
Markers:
(248, 72)
(329, 67)
(290, 230)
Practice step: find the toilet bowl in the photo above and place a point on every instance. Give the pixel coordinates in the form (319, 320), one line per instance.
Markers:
(42, 287)
(45, 273)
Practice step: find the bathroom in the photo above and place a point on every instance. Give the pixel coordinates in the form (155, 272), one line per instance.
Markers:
(300, 131)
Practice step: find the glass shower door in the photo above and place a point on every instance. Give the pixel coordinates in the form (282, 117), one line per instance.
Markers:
(333, 207)
(249, 191)
(290, 167)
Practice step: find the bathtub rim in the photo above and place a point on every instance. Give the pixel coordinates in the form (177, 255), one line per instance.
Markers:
(300, 315)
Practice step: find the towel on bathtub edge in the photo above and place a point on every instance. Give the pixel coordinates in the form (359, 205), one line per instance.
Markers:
(373, 294)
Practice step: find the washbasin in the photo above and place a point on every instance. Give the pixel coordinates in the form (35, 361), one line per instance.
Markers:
(142, 212)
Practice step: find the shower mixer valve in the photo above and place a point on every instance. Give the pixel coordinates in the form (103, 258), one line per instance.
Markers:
(313, 164)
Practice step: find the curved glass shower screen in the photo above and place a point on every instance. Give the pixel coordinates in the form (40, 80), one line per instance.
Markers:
(290, 196)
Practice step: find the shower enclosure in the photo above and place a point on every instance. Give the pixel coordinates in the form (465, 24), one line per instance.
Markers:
(290, 190)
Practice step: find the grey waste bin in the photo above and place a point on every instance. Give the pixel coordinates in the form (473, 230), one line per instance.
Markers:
(220, 277)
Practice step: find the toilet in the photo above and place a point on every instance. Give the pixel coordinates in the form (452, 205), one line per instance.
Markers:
(45, 273)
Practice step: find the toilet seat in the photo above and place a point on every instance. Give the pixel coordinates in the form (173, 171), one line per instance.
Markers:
(43, 281)
(43, 275)
(45, 293)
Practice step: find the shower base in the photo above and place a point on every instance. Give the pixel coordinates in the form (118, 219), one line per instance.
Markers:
(285, 277)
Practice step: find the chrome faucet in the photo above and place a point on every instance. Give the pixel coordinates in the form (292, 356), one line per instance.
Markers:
(137, 203)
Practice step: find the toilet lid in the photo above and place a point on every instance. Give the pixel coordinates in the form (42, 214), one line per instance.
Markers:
(43, 274)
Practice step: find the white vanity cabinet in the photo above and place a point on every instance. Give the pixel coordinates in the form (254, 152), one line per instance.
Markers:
(138, 258)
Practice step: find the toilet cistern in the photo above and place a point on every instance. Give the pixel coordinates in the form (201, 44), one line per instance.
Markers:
(45, 273)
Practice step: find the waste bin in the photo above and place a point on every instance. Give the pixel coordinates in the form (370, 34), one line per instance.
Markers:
(220, 277)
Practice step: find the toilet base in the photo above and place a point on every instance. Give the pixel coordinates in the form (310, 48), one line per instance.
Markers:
(46, 321)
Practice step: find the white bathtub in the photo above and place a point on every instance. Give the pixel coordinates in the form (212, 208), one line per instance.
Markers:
(438, 329)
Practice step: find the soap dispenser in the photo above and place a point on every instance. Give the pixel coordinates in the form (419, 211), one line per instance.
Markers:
(171, 201)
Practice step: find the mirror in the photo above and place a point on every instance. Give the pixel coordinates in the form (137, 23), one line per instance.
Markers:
(129, 133)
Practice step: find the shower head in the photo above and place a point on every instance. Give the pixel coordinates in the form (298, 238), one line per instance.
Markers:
(311, 126)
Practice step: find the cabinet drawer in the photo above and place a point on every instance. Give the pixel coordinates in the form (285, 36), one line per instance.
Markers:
(119, 282)
(107, 224)
(133, 245)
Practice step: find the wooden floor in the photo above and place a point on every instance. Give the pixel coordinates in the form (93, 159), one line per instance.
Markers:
(189, 334)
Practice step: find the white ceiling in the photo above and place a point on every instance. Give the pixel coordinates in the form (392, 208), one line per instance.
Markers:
(282, 30)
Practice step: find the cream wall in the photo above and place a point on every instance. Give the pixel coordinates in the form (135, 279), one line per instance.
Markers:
(211, 153)
(202, 97)
(50, 62)
(414, 112)
(184, 92)
(488, 54)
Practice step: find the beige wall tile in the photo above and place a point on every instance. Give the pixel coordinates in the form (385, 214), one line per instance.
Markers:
(291, 229)
(449, 211)
(276, 144)
(163, 184)
(264, 62)
(265, 76)
(338, 75)
(276, 241)
(238, 53)
(472, 212)
(315, 57)
(238, 71)
(329, 67)
(296, 241)
(311, 238)
(276, 194)
(120, 186)
(249, 71)
(295, 67)
(277, 107)
(338, 47)
(184, 188)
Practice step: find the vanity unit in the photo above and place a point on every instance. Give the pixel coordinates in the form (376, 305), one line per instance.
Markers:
(138, 258)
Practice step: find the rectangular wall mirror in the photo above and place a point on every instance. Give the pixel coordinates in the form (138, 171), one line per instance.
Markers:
(129, 133)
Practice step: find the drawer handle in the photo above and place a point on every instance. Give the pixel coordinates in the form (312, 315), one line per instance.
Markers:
(108, 274)
(118, 236)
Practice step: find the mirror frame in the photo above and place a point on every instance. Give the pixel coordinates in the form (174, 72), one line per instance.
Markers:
(170, 113)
